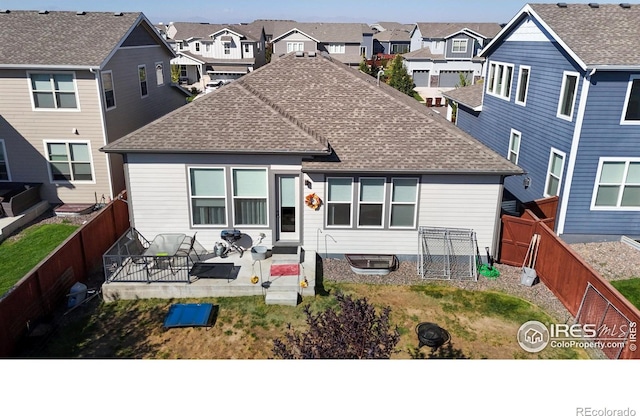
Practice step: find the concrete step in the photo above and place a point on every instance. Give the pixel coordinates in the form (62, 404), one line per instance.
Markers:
(289, 298)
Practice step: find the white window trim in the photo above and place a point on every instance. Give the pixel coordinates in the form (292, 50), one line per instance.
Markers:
(226, 197)
(597, 183)
(295, 46)
(6, 161)
(75, 86)
(146, 74)
(546, 180)
(415, 204)
(565, 75)
(350, 202)
(626, 103)
(113, 86)
(526, 86)
(464, 42)
(155, 71)
(511, 150)
(233, 197)
(336, 48)
(383, 202)
(68, 142)
(506, 89)
(363, 51)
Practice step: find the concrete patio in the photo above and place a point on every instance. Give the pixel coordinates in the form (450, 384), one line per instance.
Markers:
(277, 289)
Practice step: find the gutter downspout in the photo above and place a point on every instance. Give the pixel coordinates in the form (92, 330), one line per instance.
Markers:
(573, 153)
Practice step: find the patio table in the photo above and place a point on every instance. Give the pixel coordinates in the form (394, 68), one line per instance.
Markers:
(163, 247)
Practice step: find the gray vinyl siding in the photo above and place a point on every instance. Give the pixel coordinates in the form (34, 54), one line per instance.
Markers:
(540, 127)
(25, 129)
(367, 42)
(280, 46)
(450, 54)
(159, 200)
(602, 136)
(132, 111)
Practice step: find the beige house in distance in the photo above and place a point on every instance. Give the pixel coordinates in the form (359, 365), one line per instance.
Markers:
(70, 83)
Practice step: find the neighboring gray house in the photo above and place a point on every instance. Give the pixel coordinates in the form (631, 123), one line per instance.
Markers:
(391, 42)
(71, 83)
(382, 164)
(345, 42)
(440, 52)
(209, 51)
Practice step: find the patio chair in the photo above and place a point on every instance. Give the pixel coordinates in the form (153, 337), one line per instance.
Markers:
(187, 247)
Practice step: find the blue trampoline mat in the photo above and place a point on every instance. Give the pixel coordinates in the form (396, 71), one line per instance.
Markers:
(190, 314)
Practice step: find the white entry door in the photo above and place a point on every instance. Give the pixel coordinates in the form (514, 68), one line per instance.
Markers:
(288, 209)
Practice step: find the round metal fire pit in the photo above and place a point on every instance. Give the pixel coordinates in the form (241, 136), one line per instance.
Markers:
(431, 335)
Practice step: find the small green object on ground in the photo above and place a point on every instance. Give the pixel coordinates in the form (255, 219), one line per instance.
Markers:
(490, 273)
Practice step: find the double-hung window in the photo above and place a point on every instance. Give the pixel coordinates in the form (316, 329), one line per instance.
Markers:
(404, 201)
(53, 91)
(4, 164)
(107, 90)
(142, 77)
(247, 48)
(631, 110)
(371, 202)
(500, 79)
(339, 201)
(295, 46)
(554, 173)
(183, 71)
(459, 46)
(567, 95)
(69, 161)
(250, 191)
(523, 85)
(514, 146)
(618, 184)
(227, 48)
(336, 48)
(208, 196)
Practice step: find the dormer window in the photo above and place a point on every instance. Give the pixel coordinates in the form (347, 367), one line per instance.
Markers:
(459, 46)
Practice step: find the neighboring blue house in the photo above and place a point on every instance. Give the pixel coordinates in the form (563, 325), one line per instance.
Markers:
(561, 99)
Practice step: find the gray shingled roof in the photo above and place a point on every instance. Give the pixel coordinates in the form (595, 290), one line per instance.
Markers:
(187, 30)
(296, 105)
(606, 35)
(397, 26)
(442, 30)
(325, 32)
(393, 36)
(470, 96)
(29, 38)
(422, 53)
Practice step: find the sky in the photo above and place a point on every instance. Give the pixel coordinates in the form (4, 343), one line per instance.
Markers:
(245, 11)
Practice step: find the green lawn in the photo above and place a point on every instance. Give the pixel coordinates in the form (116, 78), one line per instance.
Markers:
(33, 244)
(630, 288)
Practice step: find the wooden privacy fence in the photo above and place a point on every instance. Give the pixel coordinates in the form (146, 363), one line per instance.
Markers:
(45, 287)
(562, 270)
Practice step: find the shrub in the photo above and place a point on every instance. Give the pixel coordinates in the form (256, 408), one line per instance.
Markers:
(353, 330)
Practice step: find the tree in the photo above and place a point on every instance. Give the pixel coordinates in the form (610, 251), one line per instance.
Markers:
(351, 331)
(175, 73)
(363, 66)
(399, 78)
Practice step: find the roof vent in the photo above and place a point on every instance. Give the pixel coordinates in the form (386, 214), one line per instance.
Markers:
(5, 11)
(118, 14)
(43, 12)
(594, 5)
(80, 13)
(562, 5)
(311, 54)
(625, 5)
(299, 54)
